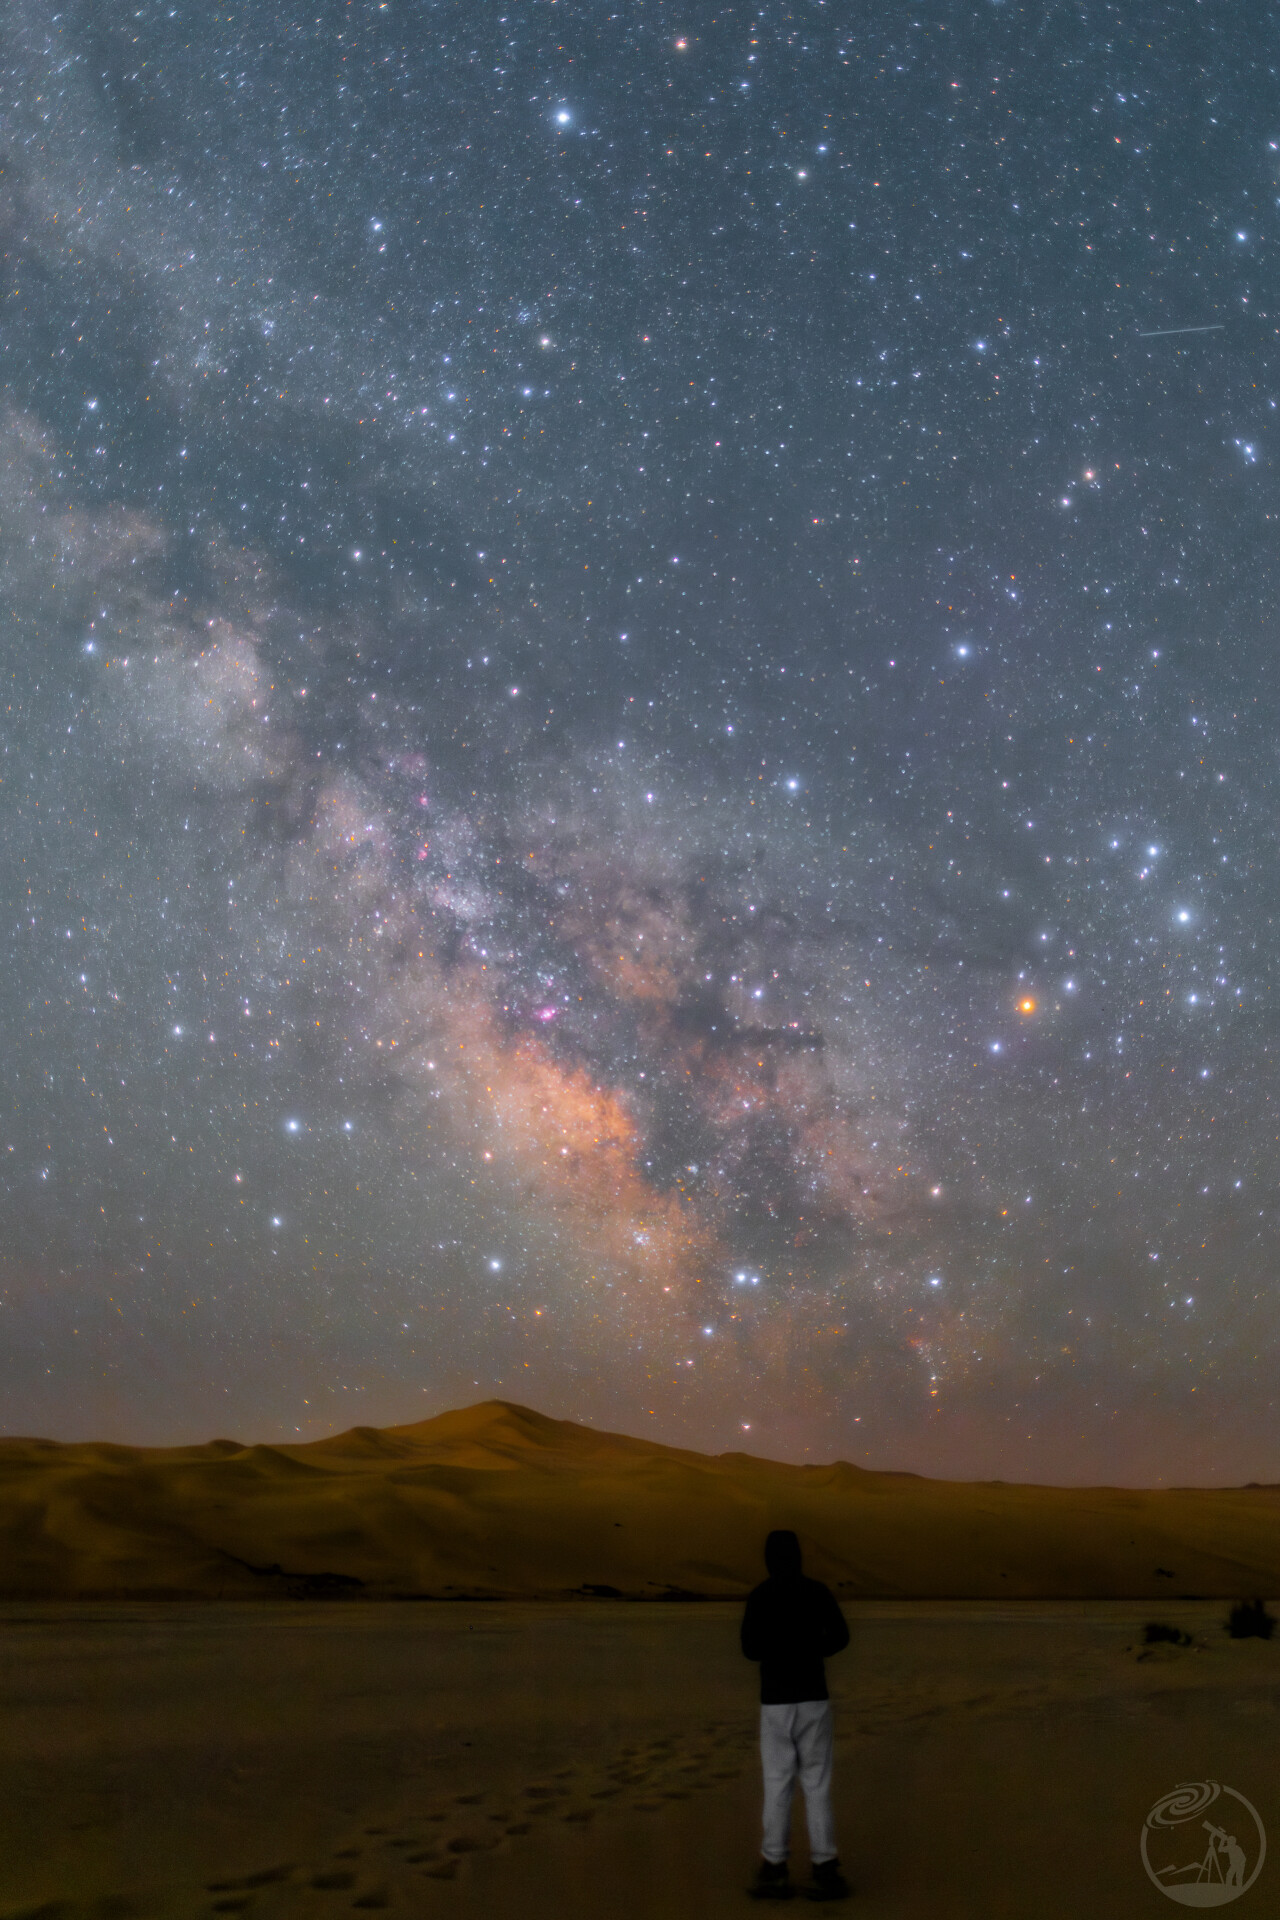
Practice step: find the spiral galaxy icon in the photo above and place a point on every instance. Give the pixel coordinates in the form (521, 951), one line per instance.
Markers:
(1203, 1844)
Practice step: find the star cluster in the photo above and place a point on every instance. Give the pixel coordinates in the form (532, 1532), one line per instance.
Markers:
(640, 726)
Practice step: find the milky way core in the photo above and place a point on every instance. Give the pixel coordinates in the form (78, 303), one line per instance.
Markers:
(640, 733)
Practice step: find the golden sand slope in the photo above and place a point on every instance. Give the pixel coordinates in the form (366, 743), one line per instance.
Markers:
(498, 1500)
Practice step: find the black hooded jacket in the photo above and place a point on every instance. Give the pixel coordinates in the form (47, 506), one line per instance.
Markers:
(791, 1625)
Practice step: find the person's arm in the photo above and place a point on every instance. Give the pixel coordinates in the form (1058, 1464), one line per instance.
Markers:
(752, 1629)
(835, 1628)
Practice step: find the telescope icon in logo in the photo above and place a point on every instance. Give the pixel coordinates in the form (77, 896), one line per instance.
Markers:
(1207, 1873)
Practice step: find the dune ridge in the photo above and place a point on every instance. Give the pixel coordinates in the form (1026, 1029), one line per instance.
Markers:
(497, 1500)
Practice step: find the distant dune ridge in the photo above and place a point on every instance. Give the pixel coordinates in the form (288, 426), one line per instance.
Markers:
(497, 1500)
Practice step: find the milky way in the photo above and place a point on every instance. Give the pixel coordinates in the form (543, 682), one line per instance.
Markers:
(640, 743)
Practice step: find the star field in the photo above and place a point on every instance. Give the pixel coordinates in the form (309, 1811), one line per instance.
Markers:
(639, 746)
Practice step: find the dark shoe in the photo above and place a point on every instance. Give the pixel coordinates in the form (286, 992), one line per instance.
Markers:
(773, 1881)
(828, 1882)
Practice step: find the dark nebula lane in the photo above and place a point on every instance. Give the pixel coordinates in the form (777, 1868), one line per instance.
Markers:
(639, 752)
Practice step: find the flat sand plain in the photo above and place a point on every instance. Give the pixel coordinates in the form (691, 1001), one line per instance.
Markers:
(318, 1761)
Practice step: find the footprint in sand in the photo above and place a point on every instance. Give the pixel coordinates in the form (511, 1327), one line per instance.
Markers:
(471, 1843)
(249, 1882)
(645, 1779)
(544, 1798)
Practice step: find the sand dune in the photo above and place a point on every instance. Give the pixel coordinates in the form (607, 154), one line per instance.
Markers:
(497, 1500)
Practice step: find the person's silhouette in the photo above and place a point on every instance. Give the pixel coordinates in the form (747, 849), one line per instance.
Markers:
(1234, 1876)
(790, 1626)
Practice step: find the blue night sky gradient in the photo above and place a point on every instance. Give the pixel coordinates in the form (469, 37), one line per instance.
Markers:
(640, 751)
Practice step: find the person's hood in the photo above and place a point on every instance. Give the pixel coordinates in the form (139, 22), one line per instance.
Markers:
(782, 1553)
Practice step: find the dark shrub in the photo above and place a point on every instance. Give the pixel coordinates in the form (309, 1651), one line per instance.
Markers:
(1157, 1630)
(1249, 1620)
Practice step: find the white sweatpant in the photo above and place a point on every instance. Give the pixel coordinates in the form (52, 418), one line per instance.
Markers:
(797, 1739)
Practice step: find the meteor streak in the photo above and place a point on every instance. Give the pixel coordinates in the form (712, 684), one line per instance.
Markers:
(1162, 333)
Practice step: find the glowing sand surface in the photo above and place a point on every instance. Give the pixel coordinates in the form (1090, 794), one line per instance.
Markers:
(519, 1760)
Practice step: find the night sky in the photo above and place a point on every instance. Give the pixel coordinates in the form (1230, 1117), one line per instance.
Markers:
(640, 752)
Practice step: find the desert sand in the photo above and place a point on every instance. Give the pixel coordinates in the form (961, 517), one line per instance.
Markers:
(200, 1715)
(524, 1761)
(496, 1501)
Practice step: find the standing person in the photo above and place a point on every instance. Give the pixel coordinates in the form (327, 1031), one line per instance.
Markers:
(790, 1626)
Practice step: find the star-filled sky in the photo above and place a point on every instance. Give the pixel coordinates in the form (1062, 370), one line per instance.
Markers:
(639, 750)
